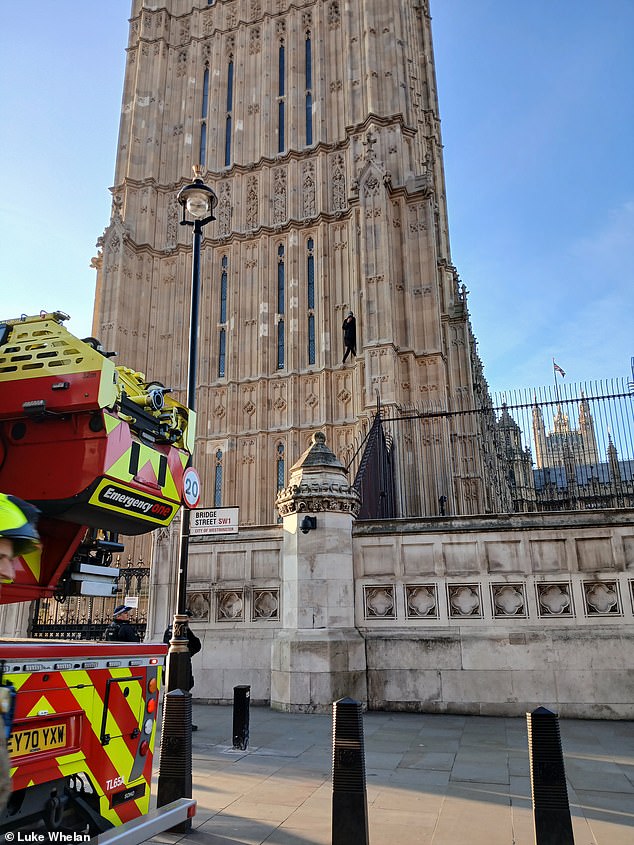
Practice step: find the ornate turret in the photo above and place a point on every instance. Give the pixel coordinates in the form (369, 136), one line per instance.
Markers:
(319, 656)
(318, 483)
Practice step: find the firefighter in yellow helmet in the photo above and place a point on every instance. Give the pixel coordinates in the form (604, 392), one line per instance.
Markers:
(18, 536)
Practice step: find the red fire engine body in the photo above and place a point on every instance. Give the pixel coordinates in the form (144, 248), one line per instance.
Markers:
(99, 450)
(83, 732)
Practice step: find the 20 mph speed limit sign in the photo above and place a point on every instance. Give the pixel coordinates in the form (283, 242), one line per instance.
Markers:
(191, 487)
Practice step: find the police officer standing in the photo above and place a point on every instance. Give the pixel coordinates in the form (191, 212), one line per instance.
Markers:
(121, 629)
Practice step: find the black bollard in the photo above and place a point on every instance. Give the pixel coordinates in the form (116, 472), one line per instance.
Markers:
(551, 811)
(349, 797)
(241, 700)
(175, 766)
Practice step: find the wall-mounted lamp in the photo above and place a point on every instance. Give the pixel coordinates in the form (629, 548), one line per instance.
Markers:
(308, 523)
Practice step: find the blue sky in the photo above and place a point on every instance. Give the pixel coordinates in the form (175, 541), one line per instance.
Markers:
(537, 110)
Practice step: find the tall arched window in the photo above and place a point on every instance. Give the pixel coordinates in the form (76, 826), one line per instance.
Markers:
(280, 467)
(223, 290)
(222, 337)
(310, 297)
(202, 157)
(218, 480)
(203, 144)
(229, 113)
(222, 353)
(281, 284)
(309, 90)
(203, 111)
(281, 93)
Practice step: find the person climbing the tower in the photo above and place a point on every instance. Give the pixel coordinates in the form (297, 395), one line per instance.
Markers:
(349, 336)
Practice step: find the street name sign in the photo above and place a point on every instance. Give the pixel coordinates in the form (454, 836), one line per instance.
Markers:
(204, 521)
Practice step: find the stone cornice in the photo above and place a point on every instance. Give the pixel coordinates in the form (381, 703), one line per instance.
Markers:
(515, 523)
(293, 154)
(314, 497)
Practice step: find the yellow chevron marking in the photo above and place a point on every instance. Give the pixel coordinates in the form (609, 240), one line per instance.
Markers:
(111, 422)
(18, 680)
(121, 469)
(33, 562)
(42, 704)
(116, 749)
(104, 804)
(81, 686)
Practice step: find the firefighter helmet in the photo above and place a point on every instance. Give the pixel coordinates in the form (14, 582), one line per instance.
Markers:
(17, 523)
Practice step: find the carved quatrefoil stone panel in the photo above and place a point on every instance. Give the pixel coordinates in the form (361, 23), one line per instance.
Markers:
(602, 598)
(508, 599)
(421, 601)
(379, 602)
(554, 599)
(266, 605)
(464, 600)
(229, 606)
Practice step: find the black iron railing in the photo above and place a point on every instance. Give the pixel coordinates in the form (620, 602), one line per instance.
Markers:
(568, 447)
(86, 617)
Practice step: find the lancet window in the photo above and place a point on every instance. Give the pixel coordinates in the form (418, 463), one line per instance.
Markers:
(280, 466)
(310, 297)
(228, 125)
(222, 336)
(203, 119)
(281, 293)
(281, 98)
(218, 480)
(309, 90)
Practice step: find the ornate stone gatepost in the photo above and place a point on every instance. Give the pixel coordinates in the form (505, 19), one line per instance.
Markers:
(319, 656)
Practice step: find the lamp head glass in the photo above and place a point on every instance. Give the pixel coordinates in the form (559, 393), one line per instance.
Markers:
(198, 204)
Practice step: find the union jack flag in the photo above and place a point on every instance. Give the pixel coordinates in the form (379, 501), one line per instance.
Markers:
(558, 369)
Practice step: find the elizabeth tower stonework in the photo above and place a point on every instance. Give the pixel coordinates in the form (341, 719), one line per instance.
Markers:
(317, 125)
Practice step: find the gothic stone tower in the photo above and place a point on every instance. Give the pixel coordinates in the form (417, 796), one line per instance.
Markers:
(317, 123)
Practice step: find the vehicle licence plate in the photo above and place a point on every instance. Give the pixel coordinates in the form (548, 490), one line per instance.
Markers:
(34, 740)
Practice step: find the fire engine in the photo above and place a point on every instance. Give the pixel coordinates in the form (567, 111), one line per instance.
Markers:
(100, 451)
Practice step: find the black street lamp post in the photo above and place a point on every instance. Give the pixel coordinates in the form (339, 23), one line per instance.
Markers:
(197, 201)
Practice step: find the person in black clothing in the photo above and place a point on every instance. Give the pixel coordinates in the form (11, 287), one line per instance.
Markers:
(349, 336)
(194, 645)
(121, 629)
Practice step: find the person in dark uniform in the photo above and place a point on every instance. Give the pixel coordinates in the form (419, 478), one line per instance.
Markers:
(194, 645)
(121, 629)
(349, 336)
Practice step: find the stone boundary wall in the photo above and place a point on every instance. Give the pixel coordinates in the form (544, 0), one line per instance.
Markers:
(487, 615)
(499, 615)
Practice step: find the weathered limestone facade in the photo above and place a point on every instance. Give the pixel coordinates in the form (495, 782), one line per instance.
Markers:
(318, 124)
(485, 615)
(318, 656)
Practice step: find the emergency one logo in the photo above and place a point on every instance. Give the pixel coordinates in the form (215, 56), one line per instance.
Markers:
(120, 498)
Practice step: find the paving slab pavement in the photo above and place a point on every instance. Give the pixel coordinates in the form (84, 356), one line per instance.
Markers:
(431, 780)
